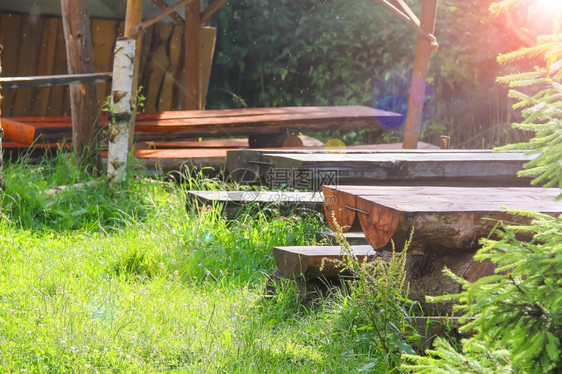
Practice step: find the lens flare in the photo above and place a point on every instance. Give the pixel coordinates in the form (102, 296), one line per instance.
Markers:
(549, 6)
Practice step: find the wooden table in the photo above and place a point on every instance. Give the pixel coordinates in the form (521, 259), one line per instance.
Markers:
(441, 217)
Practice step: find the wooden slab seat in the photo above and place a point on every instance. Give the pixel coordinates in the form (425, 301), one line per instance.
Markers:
(233, 201)
(296, 261)
(389, 167)
(450, 218)
(224, 123)
(424, 274)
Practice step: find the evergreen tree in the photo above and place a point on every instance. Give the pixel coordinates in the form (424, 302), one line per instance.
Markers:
(516, 314)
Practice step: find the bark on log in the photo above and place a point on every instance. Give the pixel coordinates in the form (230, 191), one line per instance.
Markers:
(80, 60)
(120, 109)
(442, 217)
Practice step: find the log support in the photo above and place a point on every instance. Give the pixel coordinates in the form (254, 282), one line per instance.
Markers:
(80, 60)
(121, 110)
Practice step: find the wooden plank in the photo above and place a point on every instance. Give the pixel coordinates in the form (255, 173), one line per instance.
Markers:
(46, 64)
(104, 34)
(194, 143)
(352, 238)
(233, 201)
(18, 131)
(54, 80)
(59, 96)
(424, 273)
(27, 63)
(10, 24)
(158, 65)
(175, 44)
(435, 168)
(207, 42)
(293, 262)
(442, 217)
(341, 112)
(170, 160)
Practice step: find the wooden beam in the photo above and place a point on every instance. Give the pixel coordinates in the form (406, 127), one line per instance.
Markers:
(191, 65)
(211, 9)
(54, 80)
(412, 126)
(163, 5)
(406, 20)
(402, 6)
(165, 13)
(80, 60)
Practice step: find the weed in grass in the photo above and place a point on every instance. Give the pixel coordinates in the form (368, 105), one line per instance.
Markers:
(378, 305)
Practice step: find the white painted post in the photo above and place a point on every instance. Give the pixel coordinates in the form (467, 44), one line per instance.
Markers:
(120, 110)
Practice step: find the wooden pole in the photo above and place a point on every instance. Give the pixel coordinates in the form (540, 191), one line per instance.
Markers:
(133, 17)
(191, 65)
(412, 126)
(120, 110)
(80, 59)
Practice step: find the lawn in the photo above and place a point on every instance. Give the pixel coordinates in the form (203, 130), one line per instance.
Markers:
(96, 279)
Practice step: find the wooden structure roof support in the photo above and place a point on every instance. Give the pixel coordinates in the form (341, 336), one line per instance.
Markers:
(427, 42)
(80, 60)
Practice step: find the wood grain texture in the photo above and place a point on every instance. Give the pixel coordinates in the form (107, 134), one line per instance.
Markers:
(441, 217)
(312, 261)
(80, 59)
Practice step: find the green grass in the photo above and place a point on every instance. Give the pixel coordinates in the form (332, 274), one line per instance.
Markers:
(128, 280)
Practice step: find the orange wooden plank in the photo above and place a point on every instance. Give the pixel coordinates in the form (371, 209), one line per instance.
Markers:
(18, 131)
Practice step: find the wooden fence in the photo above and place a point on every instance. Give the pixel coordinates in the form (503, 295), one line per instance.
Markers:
(35, 46)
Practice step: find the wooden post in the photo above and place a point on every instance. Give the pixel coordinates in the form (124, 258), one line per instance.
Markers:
(133, 17)
(120, 112)
(191, 65)
(412, 127)
(80, 59)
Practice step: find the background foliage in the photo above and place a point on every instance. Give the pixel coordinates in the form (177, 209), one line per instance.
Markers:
(333, 52)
